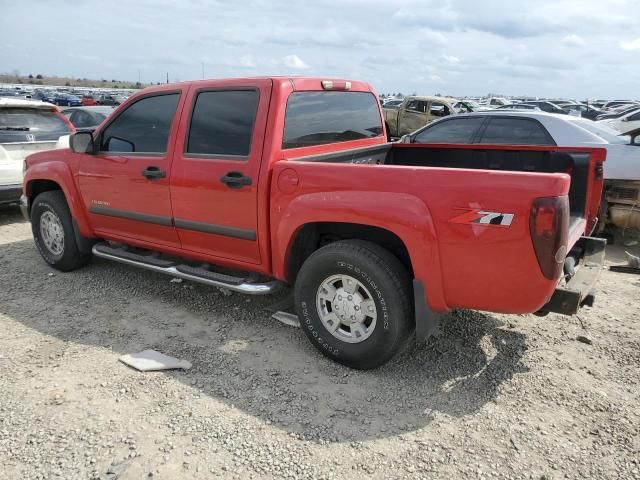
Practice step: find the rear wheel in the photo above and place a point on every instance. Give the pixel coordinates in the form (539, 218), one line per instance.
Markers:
(353, 302)
(53, 232)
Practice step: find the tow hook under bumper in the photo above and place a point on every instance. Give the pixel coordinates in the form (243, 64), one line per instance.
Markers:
(578, 291)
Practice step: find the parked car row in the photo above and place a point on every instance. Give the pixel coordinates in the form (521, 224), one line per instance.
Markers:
(66, 96)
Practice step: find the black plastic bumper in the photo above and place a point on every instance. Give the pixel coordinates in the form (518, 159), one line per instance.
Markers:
(578, 291)
(10, 193)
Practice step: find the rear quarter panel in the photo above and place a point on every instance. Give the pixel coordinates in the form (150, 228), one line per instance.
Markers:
(462, 265)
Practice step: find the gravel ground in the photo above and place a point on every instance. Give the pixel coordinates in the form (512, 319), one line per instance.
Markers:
(493, 396)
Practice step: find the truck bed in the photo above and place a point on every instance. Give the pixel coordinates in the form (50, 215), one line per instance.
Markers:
(422, 190)
(573, 162)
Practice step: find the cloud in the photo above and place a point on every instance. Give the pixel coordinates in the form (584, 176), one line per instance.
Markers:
(450, 59)
(574, 40)
(631, 45)
(295, 62)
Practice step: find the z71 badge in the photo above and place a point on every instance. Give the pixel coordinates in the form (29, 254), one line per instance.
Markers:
(483, 217)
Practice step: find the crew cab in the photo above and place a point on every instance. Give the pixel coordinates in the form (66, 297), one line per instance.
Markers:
(254, 184)
(416, 112)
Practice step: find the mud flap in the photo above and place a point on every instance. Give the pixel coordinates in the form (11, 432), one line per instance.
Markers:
(427, 321)
(83, 243)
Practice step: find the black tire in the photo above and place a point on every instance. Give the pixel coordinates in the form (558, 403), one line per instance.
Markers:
(70, 257)
(388, 281)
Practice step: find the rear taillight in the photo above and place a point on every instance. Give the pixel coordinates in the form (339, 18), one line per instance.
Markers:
(549, 225)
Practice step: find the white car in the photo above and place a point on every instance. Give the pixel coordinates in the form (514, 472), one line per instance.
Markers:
(512, 127)
(494, 102)
(26, 127)
(626, 123)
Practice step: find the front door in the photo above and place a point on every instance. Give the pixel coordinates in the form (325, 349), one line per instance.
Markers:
(125, 186)
(214, 177)
(413, 117)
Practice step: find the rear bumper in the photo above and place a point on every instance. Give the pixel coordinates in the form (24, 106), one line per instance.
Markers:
(10, 193)
(578, 291)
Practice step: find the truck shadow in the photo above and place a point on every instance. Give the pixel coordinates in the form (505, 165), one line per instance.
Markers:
(244, 358)
(10, 214)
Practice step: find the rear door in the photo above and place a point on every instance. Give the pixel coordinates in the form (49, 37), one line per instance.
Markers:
(214, 178)
(125, 186)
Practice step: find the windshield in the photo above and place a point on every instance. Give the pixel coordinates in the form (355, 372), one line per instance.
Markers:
(602, 131)
(27, 124)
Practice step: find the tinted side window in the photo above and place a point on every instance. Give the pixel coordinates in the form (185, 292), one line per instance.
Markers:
(222, 122)
(634, 118)
(516, 131)
(317, 118)
(142, 127)
(459, 130)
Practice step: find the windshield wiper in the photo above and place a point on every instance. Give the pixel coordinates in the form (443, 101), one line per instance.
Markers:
(16, 129)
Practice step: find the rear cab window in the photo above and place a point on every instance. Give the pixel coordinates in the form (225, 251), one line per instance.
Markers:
(321, 117)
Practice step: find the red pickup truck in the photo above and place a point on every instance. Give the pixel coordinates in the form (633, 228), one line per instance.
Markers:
(256, 183)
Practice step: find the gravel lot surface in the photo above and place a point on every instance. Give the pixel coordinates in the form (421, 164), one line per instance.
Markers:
(493, 396)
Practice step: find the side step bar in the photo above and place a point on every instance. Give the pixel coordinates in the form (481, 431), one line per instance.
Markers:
(186, 272)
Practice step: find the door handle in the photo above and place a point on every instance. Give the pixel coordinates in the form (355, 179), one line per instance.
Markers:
(153, 173)
(235, 180)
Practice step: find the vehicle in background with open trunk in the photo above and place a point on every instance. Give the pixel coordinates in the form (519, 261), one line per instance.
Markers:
(252, 184)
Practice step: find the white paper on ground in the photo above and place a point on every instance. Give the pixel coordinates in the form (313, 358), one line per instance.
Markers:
(150, 360)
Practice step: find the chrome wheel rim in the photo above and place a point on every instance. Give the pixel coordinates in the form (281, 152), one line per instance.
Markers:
(346, 308)
(52, 232)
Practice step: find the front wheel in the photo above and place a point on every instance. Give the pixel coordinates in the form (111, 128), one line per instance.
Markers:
(53, 232)
(353, 301)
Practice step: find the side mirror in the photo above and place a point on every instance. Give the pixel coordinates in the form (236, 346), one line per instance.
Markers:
(405, 139)
(624, 119)
(82, 142)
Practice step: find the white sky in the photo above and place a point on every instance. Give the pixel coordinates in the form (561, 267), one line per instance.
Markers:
(555, 48)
